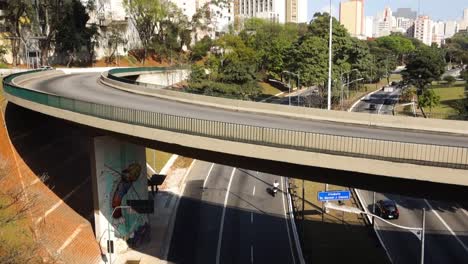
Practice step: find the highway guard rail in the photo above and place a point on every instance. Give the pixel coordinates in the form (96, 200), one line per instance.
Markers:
(387, 150)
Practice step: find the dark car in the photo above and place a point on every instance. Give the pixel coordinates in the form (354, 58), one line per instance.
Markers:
(387, 209)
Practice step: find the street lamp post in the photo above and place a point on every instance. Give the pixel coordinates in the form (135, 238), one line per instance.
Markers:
(330, 58)
(108, 229)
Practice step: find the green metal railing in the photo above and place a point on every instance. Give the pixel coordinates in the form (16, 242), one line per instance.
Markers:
(422, 154)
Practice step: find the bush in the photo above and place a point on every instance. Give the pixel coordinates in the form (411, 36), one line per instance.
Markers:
(197, 74)
(201, 48)
(449, 79)
(227, 90)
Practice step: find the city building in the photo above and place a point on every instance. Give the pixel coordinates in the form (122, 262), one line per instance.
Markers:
(423, 29)
(352, 16)
(404, 24)
(406, 13)
(384, 23)
(451, 27)
(282, 11)
(463, 24)
(369, 27)
(438, 32)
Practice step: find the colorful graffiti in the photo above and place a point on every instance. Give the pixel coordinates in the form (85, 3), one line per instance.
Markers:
(127, 177)
(122, 178)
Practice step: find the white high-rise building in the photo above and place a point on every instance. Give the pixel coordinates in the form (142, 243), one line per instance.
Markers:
(384, 23)
(274, 10)
(438, 32)
(423, 29)
(369, 27)
(451, 27)
(281, 11)
(463, 24)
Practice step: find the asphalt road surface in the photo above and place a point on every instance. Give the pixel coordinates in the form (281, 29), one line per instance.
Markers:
(446, 223)
(86, 87)
(226, 215)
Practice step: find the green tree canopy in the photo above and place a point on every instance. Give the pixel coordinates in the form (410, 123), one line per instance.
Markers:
(147, 15)
(424, 66)
(72, 33)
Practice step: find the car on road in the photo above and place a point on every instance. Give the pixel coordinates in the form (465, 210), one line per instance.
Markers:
(387, 209)
(372, 107)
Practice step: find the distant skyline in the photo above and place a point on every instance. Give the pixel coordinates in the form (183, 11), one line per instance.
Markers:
(436, 9)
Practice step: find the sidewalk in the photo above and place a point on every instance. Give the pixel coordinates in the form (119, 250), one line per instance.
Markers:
(162, 221)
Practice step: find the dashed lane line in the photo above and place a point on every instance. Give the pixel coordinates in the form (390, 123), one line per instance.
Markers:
(220, 237)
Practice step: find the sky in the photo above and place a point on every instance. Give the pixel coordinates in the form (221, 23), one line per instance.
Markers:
(436, 9)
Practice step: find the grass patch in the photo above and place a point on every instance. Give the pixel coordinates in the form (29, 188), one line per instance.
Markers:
(341, 235)
(449, 97)
(157, 161)
(268, 89)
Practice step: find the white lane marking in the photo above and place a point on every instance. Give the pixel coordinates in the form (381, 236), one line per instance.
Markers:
(286, 221)
(170, 229)
(463, 210)
(364, 205)
(251, 254)
(208, 176)
(380, 108)
(251, 217)
(447, 226)
(220, 237)
(253, 193)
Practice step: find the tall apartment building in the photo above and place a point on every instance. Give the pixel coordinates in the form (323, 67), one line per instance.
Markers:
(463, 24)
(438, 32)
(423, 29)
(384, 23)
(352, 16)
(451, 27)
(282, 11)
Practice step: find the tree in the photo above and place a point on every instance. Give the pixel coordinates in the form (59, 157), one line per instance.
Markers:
(429, 99)
(147, 15)
(201, 48)
(48, 19)
(72, 33)
(424, 66)
(397, 44)
(115, 38)
(197, 74)
(17, 17)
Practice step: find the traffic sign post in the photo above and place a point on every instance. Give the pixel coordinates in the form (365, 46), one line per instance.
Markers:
(334, 196)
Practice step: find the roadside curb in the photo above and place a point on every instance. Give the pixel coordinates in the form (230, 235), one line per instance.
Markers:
(293, 225)
(168, 236)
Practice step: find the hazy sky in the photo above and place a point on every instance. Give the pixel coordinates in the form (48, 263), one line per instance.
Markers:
(436, 9)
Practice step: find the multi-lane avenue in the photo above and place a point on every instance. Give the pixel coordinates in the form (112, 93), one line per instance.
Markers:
(446, 223)
(226, 215)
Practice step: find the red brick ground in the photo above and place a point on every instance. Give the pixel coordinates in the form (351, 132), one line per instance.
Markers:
(64, 234)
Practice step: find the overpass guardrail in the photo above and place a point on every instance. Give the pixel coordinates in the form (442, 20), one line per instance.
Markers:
(113, 74)
(421, 154)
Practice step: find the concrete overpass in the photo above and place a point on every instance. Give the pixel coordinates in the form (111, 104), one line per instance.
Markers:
(393, 154)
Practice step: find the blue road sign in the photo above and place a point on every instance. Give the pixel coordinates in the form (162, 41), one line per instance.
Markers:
(334, 196)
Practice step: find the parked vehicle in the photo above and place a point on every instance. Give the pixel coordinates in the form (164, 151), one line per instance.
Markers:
(387, 209)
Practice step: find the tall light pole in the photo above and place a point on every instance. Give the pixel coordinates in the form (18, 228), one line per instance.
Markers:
(330, 58)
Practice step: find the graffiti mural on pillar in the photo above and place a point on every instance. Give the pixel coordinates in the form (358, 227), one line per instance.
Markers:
(123, 177)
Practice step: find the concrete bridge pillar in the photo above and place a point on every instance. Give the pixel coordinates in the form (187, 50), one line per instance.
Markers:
(119, 176)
